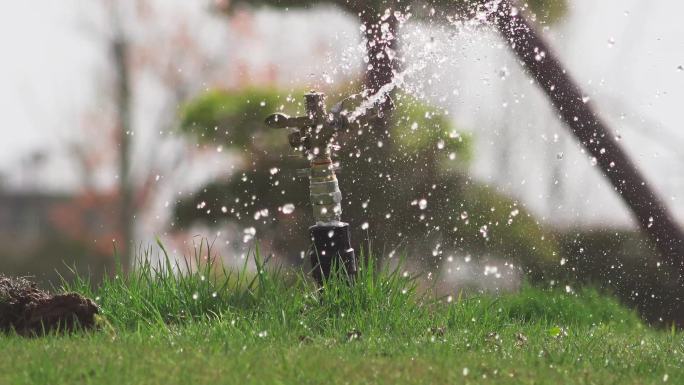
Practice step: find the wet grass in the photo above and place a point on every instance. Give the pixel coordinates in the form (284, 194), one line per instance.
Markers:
(272, 326)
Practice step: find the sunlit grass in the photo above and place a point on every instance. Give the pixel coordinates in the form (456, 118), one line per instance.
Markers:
(169, 323)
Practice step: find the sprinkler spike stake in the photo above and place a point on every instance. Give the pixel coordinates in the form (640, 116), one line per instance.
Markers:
(313, 135)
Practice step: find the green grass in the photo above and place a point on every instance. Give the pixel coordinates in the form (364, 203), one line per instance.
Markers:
(272, 327)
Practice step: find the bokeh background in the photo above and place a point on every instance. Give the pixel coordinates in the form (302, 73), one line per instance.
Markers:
(128, 122)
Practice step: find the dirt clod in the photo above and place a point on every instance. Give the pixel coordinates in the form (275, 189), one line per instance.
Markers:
(30, 311)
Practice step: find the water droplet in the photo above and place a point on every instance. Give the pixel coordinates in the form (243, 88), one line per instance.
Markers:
(248, 234)
(288, 208)
(503, 73)
(263, 213)
(422, 204)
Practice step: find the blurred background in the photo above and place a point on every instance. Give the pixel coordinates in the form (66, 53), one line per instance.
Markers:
(128, 121)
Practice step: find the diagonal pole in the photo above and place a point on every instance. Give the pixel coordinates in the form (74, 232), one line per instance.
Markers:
(593, 133)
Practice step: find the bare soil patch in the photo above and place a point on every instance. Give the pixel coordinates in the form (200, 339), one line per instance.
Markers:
(31, 311)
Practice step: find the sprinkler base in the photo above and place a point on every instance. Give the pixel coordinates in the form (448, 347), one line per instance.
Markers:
(332, 247)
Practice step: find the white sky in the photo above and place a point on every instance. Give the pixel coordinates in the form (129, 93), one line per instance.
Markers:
(40, 69)
(44, 72)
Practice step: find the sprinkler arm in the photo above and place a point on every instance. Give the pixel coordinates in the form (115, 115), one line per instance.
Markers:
(279, 120)
(314, 132)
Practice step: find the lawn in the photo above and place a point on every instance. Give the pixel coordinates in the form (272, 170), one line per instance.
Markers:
(272, 327)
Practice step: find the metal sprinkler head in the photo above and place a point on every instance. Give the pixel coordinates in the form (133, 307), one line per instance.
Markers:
(313, 135)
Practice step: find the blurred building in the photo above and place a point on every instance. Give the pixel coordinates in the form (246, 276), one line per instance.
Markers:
(25, 221)
(48, 234)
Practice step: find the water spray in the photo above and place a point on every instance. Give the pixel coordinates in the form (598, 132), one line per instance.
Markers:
(313, 136)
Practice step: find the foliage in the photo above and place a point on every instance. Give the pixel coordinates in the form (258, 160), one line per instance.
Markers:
(274, 327)
(548, 11)
(166, 293)
(511, 232)
(545, 11)
(238, 115)
(200, 289)
(418, 126)
(428, 161)
(624, 262)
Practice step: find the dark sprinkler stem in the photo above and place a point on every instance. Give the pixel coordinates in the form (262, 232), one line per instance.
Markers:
(332, 252)
(592, 132)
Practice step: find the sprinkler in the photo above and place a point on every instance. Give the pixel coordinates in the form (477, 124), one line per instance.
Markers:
(312, 135)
